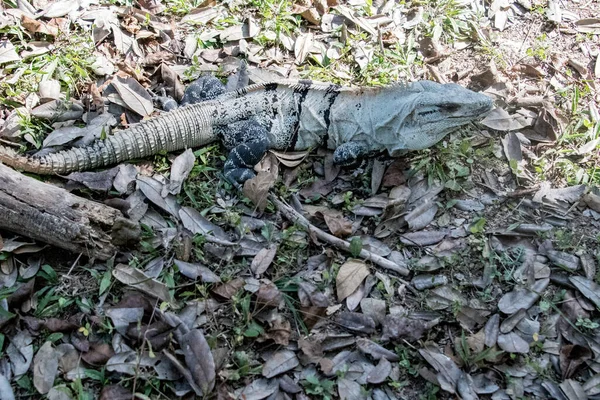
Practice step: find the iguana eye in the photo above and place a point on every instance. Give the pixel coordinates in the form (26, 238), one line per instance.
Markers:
(450, 108)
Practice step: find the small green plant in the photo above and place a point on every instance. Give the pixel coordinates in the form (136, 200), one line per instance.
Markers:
(470, 358)
(323, 388)
(540, 48)
(587, 323)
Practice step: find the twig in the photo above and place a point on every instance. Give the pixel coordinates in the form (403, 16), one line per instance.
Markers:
(296, 217)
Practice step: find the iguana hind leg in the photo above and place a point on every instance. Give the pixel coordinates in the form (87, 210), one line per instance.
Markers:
(250, 145)
(247, 140)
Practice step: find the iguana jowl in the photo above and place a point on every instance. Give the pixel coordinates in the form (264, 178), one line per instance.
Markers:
(284, 116)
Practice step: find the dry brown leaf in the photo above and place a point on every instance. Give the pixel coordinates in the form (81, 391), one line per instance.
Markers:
(336, 222)
(350, 276)
(36, 26)
(257, 188)
(290, 159)
(229, 289)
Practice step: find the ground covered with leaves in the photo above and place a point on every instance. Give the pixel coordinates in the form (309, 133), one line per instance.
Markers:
(468, 270)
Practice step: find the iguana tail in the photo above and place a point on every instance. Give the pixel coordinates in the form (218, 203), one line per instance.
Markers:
(187, 127)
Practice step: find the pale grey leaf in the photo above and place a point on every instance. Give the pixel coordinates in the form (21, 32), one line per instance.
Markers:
(8, 52)
(588, 25)
(591, 386)
(492, 329)
(509, 323)
(500, 120)
(375, 246)
(423, 238)
(571, 388)
(349, 390)
(249, 247)
(101, 181)
(465, 387)
(375, 350)
(588, 288)
(152, 189)
(376, 308)
(443, 297)
(513, 343)
(259, 389)
(122, 317)
(45, 368)
(194, 222)
(195, 271)
(447, 370)
(61, 392)
(63, 135)
(421, 216)
(20, 353)
(263, 259)
(564, 260)
(154, 267)
(422, 282)
(519, 298)
(58, 111)
(380, 373)
(280, 362)
(60, 8)
(356, 322)
(6, 391)
(125, 178)
(181, 168)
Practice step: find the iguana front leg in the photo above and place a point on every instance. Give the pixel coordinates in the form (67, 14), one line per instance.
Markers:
(350, 153)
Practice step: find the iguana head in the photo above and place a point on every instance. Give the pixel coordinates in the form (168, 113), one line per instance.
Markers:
(428, 111)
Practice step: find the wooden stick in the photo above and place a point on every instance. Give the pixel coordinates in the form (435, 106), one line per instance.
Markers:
(296, 217)
(52, 215)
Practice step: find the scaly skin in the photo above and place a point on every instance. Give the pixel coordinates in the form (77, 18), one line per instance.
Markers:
(287, 116)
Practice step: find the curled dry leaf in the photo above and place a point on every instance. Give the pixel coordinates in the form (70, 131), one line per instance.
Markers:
(134, 95)
(500, 120)
(350, 276)
(229, 289)
(195, 271)
(137, 279)
(356, 322)
(375, 350)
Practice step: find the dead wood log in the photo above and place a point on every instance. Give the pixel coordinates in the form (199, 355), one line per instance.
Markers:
(52, 215)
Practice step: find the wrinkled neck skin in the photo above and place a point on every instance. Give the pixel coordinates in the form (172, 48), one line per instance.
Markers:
(375, 117)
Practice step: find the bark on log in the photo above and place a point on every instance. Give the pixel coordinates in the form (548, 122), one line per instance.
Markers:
(52, 215)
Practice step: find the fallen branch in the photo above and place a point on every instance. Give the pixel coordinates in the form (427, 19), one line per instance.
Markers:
(296, 217)
(52, 215)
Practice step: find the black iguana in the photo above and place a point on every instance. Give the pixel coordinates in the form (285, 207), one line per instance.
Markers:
(299, 115)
